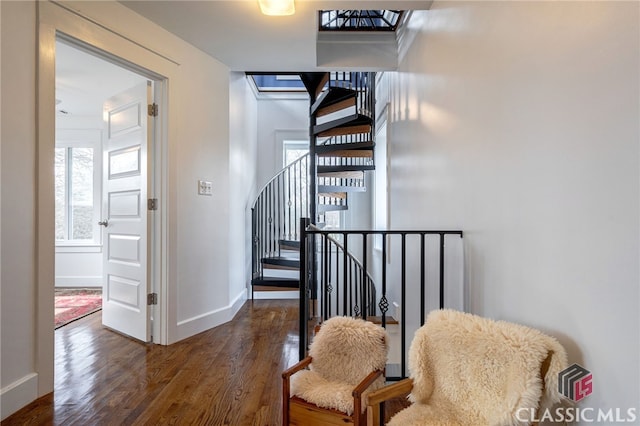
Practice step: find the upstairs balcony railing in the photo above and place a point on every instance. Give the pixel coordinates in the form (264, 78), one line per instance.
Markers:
(425, 270)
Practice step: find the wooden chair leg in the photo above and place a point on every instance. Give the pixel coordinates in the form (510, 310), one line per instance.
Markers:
(285, 401)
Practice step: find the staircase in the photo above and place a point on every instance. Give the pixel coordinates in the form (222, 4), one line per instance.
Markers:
(341, 148)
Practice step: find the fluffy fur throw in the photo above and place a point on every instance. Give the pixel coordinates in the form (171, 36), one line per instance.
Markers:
(343, 353)
(469, 370)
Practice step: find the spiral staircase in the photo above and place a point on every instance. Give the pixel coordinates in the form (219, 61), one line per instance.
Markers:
(341, 151)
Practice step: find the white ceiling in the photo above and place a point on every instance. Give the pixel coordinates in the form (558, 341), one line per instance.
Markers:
(236, 33)
(233, 31)
(84, 81)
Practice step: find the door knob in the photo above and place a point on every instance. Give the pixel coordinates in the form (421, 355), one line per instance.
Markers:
(104, 223)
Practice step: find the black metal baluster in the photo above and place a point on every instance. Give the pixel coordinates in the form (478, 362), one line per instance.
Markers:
(441, 270)
(422, 278)
(403, 298)
(297, 213)
(327, 287)
(279, 206)
(303, 307)
(267, 241)
(287, 215)
(330, 263)
(384, 304)
(344, 272)
(364, 271)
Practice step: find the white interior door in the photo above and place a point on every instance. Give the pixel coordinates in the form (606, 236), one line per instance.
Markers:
(125, 237)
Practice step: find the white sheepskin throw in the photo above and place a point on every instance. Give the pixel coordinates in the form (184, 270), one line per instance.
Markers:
(469, 370)
(344, 352)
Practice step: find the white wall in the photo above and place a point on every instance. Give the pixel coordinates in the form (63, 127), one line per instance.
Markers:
(243, 166)
(278, 116)
(518, 123)
(197, 249)
(18, 292)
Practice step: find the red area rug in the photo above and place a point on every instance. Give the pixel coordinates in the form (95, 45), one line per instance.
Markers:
(73, 304)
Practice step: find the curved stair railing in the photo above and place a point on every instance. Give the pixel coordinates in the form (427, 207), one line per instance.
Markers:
(340, 152)
(275, 216)
(344, 282)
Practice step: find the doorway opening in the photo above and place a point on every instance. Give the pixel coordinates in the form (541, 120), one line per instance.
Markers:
(84, 84)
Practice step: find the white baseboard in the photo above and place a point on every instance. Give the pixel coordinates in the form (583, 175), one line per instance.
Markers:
(18, 394)
(89, 281)
(204, 322)
(268, 295)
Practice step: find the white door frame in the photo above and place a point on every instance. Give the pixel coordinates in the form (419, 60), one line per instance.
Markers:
(56, 20)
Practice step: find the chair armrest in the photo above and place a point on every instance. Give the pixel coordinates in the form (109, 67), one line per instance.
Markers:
(286, 376)
(366, 382)
(296, 367)
(394, 390)
(357, 394)
(378, 396)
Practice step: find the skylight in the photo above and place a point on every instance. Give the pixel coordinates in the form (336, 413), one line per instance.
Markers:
(359, 20)
(277, 82)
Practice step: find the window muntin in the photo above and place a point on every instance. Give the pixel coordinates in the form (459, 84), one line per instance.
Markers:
(77, 186)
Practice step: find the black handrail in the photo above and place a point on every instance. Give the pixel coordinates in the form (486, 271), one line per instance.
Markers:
(277, 210)
(343, 298)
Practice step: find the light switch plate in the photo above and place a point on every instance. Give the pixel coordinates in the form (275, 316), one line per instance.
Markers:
(205, 187)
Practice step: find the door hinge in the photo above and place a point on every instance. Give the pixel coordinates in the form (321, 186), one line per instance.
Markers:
(153, 110)
(152, 204)
(152, 299)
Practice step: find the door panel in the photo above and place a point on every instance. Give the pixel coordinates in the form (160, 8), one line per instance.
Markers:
(125, 235)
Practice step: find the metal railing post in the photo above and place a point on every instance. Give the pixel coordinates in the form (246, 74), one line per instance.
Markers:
(304, 312)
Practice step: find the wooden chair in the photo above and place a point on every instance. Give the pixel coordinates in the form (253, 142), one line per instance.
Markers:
(468, 370)
(346, 361)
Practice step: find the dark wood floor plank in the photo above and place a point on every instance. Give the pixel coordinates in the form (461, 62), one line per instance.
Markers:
(229, 375)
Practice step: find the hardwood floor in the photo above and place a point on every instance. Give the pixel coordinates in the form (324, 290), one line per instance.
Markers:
(229, 375)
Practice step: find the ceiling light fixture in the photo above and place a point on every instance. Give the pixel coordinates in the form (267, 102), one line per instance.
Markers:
(277, 7)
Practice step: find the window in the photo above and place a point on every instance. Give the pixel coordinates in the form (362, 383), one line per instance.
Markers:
(77, 192)
(293, 149)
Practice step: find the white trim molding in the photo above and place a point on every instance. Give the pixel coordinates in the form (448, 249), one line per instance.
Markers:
(18, 394)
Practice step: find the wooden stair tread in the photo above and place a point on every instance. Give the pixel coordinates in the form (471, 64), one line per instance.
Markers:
(280, 262)
(349, 153)
(275, 283)
(289, 244)
(350, 124)
(342, 174)
(346, 130)
(355, 146)
(330, 97)
(354, 168)
(338, 106)
(376, 319)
